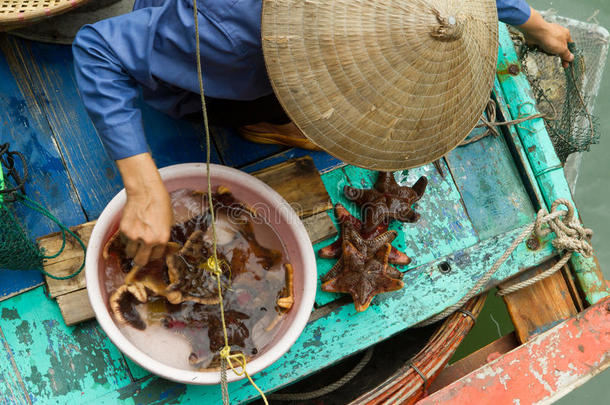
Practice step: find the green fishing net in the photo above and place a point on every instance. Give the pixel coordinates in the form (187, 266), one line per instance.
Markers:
(17, 250)
(567, 96)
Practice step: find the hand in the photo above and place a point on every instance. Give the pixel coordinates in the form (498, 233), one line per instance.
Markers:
(147, 216)
(551, 38)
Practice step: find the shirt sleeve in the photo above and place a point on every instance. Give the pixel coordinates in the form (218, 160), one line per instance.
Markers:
(110, 58)
(513, 12)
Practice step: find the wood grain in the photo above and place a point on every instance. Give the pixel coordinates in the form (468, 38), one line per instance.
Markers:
(319, 227)
(541, 306)
(298, 181)
(75, 307)
(66, 263)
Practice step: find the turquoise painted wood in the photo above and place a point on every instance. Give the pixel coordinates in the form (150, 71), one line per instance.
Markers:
(326, 340)
(543, 159)
(12, 389)
(490, 186)
(444, 225)
(57, 363)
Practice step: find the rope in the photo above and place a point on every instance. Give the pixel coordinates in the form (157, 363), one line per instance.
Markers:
(42, 210)
(305, 396)
(489, 121)
(571, 237)
(213, 265)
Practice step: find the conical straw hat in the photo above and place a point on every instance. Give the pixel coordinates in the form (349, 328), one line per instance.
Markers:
(382, 84)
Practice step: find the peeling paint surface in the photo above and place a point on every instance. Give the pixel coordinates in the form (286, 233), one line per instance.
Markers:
(542, 370)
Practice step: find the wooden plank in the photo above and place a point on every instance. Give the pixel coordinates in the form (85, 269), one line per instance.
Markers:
(298, 181)
(236, 151)
(473, 361)
(543, 159)
(58, 363)
(12, 390)
(443, 228)
(344, 331)
(94, 174)
(68, 262)
(323, 161)
(75, 307)
(541, 306)
(540, 371)
(490, 186)
(25, 127)
(319, 227)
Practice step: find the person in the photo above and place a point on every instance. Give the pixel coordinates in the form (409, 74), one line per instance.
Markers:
(153, 48)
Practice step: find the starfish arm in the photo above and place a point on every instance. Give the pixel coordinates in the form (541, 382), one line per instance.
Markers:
(333, 272)
(331, 251)
(399, 258)
(420, 187)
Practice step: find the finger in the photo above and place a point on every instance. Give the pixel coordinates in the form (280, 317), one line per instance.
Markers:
(157, 252)
(131, 247)
(143, 255)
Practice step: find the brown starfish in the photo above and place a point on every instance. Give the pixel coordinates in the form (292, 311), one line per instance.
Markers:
(364, 276)
(387, 200)
(333, 251)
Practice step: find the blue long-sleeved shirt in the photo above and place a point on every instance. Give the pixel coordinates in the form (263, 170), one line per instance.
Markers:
(153, 48)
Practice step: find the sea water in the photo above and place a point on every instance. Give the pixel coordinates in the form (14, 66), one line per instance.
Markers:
(253, 290)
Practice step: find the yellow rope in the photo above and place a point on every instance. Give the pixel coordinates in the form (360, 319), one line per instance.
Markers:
(213, 265)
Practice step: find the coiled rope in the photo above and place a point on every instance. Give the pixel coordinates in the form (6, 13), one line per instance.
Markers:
(571, 237)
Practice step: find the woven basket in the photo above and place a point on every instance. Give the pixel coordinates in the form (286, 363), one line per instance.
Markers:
(19, 13)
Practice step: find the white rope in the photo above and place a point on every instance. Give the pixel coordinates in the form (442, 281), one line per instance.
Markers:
(571, 237)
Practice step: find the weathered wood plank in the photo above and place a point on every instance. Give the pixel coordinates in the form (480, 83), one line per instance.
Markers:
(543, 159)
(12, 390)
(68, 262)
(298, 181)
(319, 227)
(473, 361)
(344, 331)
(490, 186)
(75, 307)
(516, 378)
(444, 225)
(59, 363)
(25, 127)
(94, 174)
(323, 161)
(541, 306)
(236, 151)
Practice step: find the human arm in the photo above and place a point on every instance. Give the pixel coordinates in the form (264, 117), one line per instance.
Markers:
(111, 58)
(147, 216)
(551, 38)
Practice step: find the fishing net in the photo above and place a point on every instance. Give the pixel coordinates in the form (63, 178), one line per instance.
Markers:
(17, 250)
(566, 96)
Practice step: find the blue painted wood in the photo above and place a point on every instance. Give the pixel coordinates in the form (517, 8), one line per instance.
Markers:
(323, 161)
(93, 173)
(25, 127)
(490, 186)
(544, 161)
(59, 364)
(444, 225)
(236, 151)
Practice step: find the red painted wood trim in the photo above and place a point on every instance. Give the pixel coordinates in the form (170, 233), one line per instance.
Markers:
(542, 370)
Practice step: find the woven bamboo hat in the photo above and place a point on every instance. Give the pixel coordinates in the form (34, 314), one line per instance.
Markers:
(18, 13)
(382, 84)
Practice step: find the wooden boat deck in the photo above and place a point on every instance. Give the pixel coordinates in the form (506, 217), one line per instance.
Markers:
(491, 190)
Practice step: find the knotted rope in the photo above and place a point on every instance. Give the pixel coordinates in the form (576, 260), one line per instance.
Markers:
(571, 237)
(213, 265)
